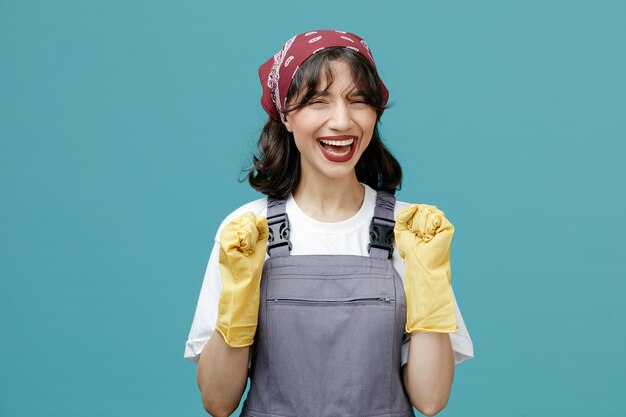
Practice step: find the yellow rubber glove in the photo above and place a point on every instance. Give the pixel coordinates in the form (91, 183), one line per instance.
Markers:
(423, 236)
(242, 254)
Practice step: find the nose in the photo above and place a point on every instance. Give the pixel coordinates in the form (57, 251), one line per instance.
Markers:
(340, 117)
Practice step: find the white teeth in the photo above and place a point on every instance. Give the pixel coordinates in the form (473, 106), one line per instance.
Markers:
(344, 142)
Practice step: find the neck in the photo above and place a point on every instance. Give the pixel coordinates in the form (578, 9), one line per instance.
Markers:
(329, 199)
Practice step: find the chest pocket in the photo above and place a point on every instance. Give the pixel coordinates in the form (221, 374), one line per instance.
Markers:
(329, 351)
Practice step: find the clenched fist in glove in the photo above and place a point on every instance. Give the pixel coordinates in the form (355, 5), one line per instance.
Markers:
(423, 236)
(242, 253)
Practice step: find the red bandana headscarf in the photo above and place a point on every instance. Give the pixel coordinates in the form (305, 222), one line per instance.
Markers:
(278, 71)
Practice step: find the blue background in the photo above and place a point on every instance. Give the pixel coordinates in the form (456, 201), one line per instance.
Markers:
(124, 125)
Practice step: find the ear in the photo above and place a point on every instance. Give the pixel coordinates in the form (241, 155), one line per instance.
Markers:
(288, 125)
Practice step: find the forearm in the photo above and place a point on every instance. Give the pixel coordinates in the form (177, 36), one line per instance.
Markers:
(222, 375)
(429, 371)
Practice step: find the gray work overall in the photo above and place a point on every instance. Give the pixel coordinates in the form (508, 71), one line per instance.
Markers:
(330, 328)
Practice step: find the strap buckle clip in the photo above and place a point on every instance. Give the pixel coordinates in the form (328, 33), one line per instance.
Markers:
(278, 226)
(381, 235)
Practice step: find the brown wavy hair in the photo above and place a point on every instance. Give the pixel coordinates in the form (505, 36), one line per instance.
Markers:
(275, 168)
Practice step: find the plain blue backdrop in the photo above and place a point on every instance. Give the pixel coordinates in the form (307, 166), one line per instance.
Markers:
(124, 126)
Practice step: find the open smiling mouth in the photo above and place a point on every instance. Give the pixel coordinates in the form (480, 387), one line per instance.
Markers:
(338, 148)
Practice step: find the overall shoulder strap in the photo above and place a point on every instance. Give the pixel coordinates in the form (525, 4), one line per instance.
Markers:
(381, 227)
(278, 243)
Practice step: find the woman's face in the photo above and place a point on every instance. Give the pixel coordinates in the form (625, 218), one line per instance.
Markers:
(334, 128)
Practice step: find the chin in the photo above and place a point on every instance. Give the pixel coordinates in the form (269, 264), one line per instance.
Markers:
(339, 173)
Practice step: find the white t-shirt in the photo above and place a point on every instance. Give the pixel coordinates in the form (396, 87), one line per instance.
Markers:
(308, 237)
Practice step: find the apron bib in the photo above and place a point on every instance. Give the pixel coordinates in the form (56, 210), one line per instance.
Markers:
(330, 329)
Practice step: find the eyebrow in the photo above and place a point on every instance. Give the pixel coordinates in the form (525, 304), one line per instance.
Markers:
(325, 93)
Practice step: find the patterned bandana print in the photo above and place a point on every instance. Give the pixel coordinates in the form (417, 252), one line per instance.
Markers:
(278, 71)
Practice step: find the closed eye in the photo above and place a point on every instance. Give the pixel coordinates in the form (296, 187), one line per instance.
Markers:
(357, 98)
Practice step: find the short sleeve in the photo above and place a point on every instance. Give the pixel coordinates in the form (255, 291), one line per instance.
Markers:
(205, 317)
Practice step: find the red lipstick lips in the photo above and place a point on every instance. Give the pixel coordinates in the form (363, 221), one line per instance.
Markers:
(336, 153)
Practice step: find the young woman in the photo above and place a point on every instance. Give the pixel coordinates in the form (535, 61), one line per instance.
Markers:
(333, 297)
